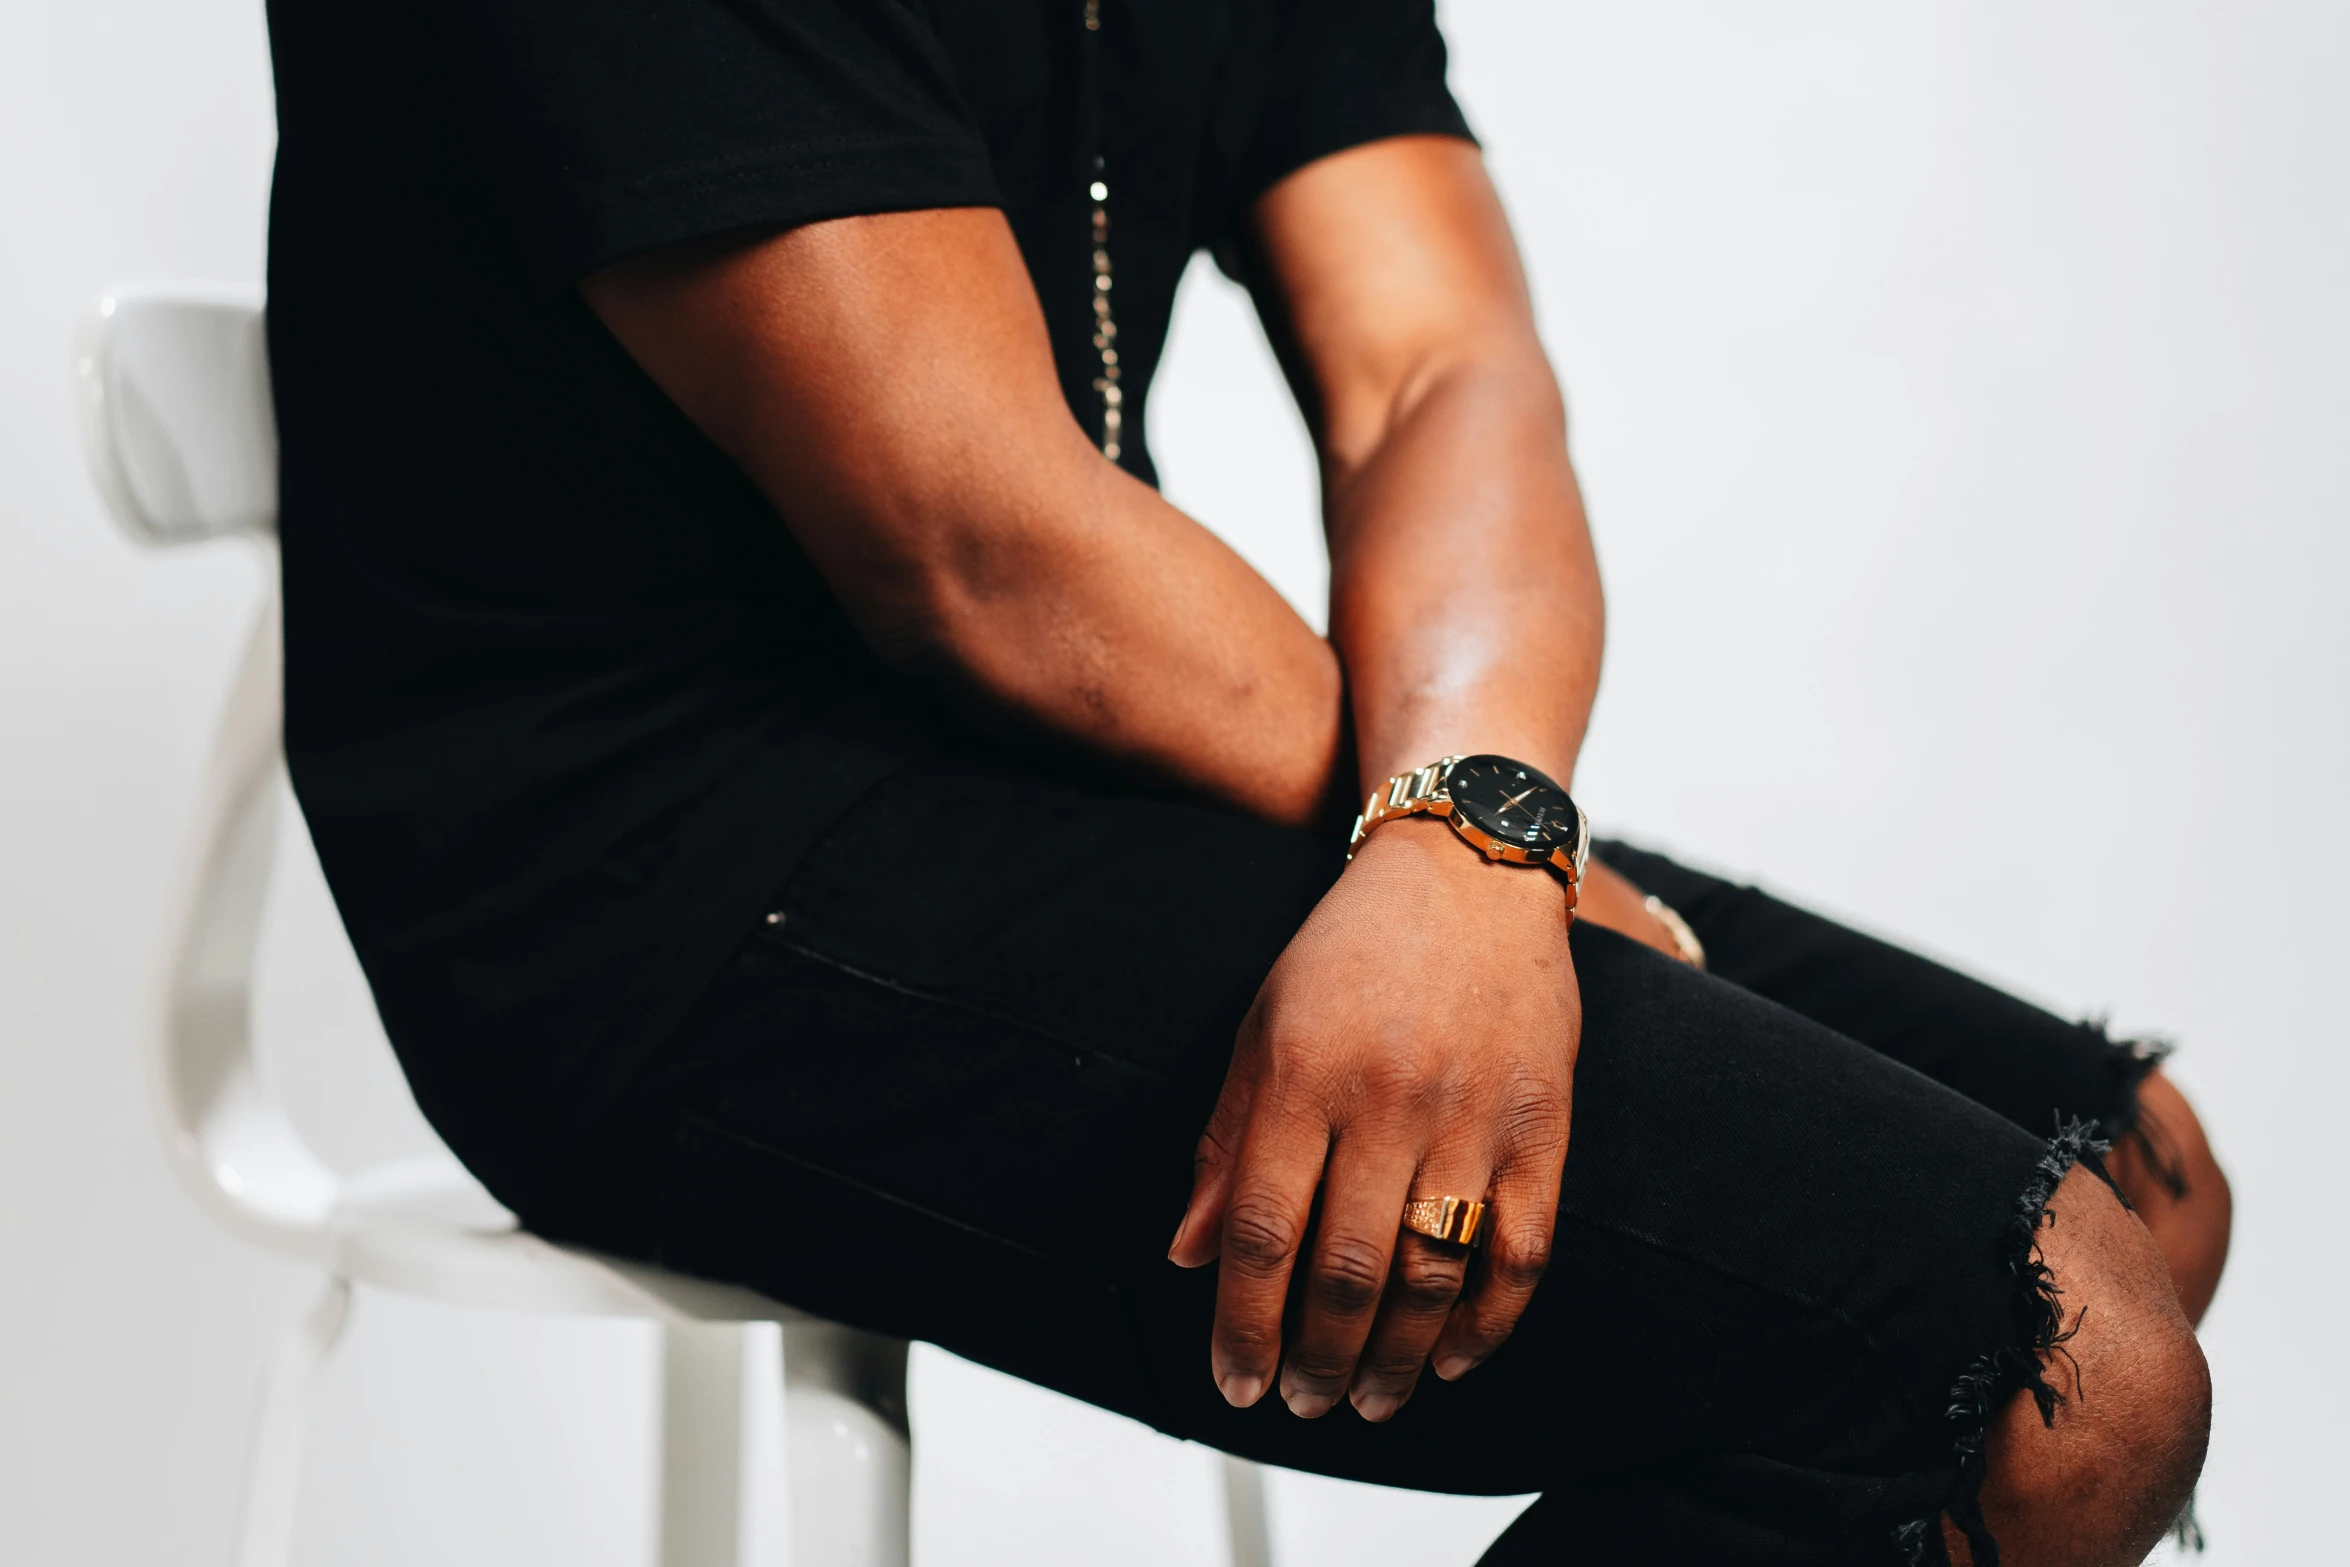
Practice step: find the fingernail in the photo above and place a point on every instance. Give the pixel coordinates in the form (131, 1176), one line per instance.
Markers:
(1241, 1392)
(1377, 1406)
(1454, 1367)
(1307, 1406)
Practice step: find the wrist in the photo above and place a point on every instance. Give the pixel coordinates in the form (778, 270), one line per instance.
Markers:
(1504, 809)
(1555, 755)
(1425, 851)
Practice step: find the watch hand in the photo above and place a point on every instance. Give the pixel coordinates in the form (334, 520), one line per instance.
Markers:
(1520, 795)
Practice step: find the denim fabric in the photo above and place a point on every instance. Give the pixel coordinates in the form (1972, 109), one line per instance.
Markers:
(950, 1089)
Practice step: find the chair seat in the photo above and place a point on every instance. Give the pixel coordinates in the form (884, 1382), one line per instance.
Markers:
(424, 1226)
(425, 1188)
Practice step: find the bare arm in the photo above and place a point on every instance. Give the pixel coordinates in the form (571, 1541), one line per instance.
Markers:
(1380, 1062)
(1465, 601)
(887, 382)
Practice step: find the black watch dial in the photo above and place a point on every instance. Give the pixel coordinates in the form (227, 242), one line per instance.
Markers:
(1516, 804)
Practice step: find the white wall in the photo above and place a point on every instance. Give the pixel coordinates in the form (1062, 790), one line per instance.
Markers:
(1957, 389)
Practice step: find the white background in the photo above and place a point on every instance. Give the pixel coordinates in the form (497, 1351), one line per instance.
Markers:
(1960, 393)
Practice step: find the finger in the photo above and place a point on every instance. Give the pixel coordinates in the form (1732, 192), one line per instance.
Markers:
(1272, 1191)
(1346, 1270)
(1200, 1234)
(1422, 1290)
(1520, 1218)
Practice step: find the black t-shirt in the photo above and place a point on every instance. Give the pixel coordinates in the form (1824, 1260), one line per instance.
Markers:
(564, 700)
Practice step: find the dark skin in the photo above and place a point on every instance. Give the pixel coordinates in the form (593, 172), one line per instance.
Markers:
(887, 381)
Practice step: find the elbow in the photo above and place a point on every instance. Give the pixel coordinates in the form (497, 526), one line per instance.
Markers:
(968, 611)
(922, 586)
(1498, 380)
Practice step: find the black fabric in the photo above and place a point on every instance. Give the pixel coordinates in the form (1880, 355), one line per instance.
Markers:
(958, 1103)
(1988, 1045)
(564, 699)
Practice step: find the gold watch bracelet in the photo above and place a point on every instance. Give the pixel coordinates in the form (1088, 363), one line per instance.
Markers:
(1421, 792)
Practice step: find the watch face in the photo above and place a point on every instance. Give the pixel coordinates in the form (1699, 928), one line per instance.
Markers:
(1514, 804)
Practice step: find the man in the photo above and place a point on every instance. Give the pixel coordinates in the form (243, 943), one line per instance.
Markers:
(812, 814)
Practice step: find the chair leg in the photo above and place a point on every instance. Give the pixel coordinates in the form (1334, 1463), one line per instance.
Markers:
(701, 1444)
(844, 1411)
(1244, 1513)
(273, 1463)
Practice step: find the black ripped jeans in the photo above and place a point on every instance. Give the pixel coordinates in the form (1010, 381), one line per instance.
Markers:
(1796, 1202)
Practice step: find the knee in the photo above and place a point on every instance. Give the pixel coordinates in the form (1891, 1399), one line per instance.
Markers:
(2105, 1480)
(2167, 1169)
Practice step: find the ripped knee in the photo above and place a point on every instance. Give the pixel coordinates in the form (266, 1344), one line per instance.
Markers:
(2094, 1457)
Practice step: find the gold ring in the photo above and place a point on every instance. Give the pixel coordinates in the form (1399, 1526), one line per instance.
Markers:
(1460, 1221)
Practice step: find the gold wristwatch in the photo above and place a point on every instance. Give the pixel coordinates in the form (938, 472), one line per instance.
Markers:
(1504, 809)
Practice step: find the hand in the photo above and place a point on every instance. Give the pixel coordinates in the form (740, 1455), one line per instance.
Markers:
(1416, 1039)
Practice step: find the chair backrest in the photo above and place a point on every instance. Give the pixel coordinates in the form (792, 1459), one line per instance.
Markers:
(174, 390)
(176, 414)
(176, 411)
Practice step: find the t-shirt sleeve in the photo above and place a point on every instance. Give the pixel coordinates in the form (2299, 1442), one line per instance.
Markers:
(611, 127)
(1345, 72)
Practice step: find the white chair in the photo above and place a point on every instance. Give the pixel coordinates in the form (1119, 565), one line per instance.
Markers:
(176, 414)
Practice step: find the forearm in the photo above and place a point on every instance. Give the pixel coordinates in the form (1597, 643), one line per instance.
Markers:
(1465, 599)
(887, 382)
(1116, 621)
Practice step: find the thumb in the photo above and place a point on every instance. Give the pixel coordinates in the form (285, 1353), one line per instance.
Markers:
(1199, 1238)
